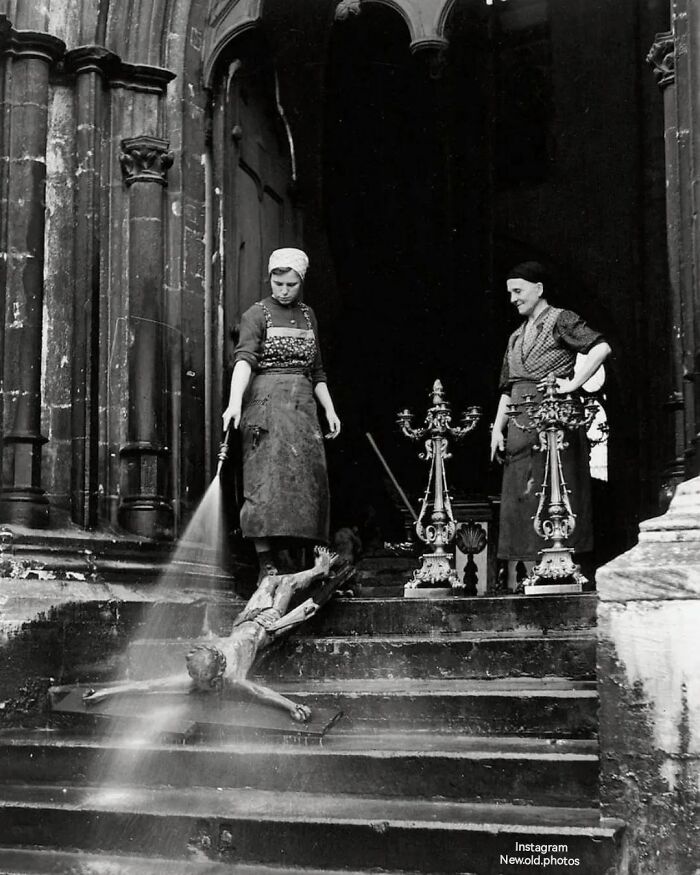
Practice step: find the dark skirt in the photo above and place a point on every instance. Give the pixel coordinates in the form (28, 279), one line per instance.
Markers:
(285, 481)
(523, 471)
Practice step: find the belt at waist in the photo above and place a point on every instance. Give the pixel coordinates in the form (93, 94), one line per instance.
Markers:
(304, 372)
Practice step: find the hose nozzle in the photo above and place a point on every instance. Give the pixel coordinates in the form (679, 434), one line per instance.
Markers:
(223, 451)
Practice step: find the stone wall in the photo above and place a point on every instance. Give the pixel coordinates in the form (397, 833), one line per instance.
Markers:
(649, 686)
(86, 443)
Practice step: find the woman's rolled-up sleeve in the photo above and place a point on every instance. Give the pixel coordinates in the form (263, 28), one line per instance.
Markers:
(251, 337)
(574, 333)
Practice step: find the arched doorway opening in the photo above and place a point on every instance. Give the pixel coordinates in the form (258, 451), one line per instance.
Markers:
(403, 197)
(254, 178)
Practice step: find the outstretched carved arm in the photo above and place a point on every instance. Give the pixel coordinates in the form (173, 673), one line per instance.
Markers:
(300, 713)
(180, 683)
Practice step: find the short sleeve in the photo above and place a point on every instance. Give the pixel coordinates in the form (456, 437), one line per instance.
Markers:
(504, 386)
(251, 337)
(572, 332)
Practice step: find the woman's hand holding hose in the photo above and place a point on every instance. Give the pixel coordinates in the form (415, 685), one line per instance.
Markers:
(232, 416)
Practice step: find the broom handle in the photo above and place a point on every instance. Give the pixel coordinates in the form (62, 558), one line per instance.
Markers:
(393, 479)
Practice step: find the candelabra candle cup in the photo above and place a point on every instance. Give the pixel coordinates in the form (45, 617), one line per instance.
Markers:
(471, 416)
(436, 525)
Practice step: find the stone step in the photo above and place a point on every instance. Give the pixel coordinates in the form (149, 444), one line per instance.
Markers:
(372, 616)
(537, 707)
(306, 829)
(30, 861)
(537, 771)
(541, 707)
(463, 655)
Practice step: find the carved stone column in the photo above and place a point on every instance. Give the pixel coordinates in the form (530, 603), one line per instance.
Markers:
(692, 96)
(90, 65)
(662, 59)
(683, 209)
(29, 57)
(145, 508)
(5, 36)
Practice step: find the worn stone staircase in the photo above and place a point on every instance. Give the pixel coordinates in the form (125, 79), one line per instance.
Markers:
(469, 728)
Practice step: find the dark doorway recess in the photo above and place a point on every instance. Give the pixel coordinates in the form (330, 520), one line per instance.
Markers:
(403, 188)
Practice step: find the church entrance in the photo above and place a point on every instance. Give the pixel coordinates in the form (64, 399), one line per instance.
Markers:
(405, 143)
(433, 173)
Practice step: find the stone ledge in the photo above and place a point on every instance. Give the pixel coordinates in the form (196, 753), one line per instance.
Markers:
(665, 563)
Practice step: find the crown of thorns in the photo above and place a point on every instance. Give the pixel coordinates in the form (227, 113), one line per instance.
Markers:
(206, 664)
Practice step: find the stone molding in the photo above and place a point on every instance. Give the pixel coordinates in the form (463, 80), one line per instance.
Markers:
(665, 563)
(92, 59)
(228, 19)
(145, 159)
(429, 44)
(26, 44)
(142, 77)
(432, 52)
(135, 77)
(88, 58)
(662, 59)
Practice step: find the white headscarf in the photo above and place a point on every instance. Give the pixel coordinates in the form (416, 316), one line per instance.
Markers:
(291, 259)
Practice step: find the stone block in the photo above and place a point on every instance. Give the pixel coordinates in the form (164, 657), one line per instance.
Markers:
(649, 688)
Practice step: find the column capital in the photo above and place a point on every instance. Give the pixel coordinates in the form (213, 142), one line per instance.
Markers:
(92, 59)
(432, 53)
(142, 77)
(135, 77)
(661, 57)
(145, 159)
(31, 44)
(346, 8)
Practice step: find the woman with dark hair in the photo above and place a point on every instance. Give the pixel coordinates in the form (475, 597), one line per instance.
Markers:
(277, 379)
(547, 342)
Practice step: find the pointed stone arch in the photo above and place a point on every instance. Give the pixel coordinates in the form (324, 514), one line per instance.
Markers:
(227, 20)
(426, 20)
(145, 43)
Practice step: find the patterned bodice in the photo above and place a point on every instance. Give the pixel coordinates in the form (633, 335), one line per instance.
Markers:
(533, 351)
(287, 349)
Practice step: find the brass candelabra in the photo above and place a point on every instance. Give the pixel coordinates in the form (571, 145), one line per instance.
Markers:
(436, 525)
(554, 520)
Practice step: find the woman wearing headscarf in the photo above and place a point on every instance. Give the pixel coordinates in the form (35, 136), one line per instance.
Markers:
(277, 379)
(547, 342)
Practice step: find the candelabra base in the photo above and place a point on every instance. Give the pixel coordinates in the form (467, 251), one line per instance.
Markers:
(436, 575)
(555, 574)
(428, 592)
(540, 588)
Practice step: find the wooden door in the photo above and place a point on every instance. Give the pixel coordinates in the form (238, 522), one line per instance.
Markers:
(259, 215)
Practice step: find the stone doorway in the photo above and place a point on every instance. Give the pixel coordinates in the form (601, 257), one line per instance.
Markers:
(254, 170)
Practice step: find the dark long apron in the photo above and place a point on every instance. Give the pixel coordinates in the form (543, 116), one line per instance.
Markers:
(522, 479)
(285, 481)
